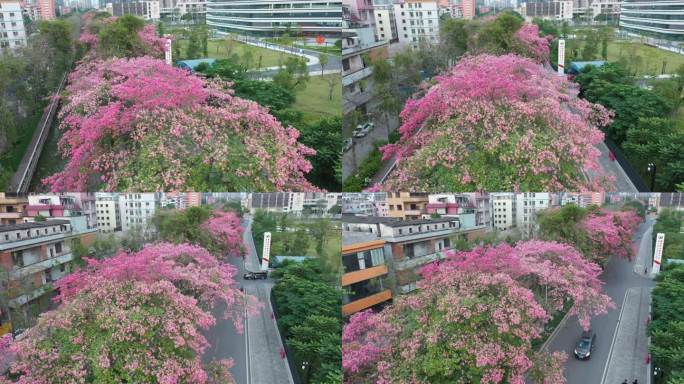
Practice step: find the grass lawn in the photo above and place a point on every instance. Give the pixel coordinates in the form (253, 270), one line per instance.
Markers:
(314, 100)
(652, 57)
(219, 49)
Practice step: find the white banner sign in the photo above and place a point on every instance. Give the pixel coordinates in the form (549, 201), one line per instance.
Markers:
(658, 253)
(561, 56)
(266, 254)
(167, 52)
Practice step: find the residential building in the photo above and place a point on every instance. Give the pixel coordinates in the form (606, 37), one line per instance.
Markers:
(148, 10)
(527, 205)
(137, 210)
(360, 11)
(365, 272)
(583, 199)
(503, 210)
(360, 204)
(108, 212)
(268, 18)
(32, 257)
(545, 9)
(12, 209)
(483, 215)
(468, 9)
(385, 22)
(12, 29)
(659, 18)
(417, 21)
(194, 199)
(412, 243)
(674, 201)
(407, 205)
(278, 202)
(359, 47)
(64, 205)
(46, 9)
(609, 8)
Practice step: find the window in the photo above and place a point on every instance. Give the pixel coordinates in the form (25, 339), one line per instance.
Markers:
(58, 247)
(18, 258)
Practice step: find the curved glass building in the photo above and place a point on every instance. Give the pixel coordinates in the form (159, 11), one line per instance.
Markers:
(269, 17)
(659, 18)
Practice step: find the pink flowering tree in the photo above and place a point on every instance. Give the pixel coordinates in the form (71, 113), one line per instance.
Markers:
(555, 272)
(497, 123)
(459, 326)
(192, 269)
(226, 229)
(119, 331)
(528, 43)
(139, 124)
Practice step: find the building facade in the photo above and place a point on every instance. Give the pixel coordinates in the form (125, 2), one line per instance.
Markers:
(358, 47)
(417, 22)
(277, 202)
(659, 18)
(365, 273)
(385, 22)
(137, 210)
(108, 212)
(12, 29)
(503, 210)
(407, 205)
(12, 209)
(555, 10)
(527, 205)
(269, 18)
(32, 257)
(46, 9)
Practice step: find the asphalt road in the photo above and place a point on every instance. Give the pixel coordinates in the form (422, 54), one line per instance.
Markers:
(255, 352)
(619, 277)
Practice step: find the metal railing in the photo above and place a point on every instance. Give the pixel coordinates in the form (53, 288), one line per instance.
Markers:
(633, 175)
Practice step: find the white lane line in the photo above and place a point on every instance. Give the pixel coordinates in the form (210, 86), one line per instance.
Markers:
(612, 344)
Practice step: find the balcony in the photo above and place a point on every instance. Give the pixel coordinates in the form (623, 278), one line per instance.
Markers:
(41, 265)
(356, 76)
(32, 241)
(36, 293)
(11, 215)
(366, 302)
(363, 274)
(420, 260)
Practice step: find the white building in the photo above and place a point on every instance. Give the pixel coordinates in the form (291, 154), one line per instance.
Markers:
(385, 22)
(137, 210)
(153, 10)
(358, 46)
(108, 212)
(277, 202)
(417, 21)
(660, 18)
(527, 205)
(12, 30)
(503, 210)
(552, 10)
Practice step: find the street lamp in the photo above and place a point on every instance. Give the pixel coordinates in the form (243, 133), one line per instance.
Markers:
(652, 170)
(306, 368)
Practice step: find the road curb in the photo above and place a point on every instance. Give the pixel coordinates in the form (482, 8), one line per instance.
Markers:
(555, 331)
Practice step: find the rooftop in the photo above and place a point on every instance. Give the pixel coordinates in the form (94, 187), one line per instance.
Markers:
(35, 224)
(394, 221)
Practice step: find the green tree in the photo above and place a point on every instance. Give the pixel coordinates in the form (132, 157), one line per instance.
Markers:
(453, 38)
(194, 45)
(323, 61)
(294, 75)
(120, 37)
(325, 135)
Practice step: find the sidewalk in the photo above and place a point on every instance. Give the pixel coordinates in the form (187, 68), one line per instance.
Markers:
(642, 264)
(627, 357)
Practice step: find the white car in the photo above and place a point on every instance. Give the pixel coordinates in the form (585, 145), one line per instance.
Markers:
(363, 129)
(347, 144)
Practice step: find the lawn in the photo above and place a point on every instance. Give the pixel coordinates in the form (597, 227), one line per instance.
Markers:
(314, 100)
(652, 57)
(221, 49)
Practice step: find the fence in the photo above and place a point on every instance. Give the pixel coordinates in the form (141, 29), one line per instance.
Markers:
(294, 369)
(633, 175)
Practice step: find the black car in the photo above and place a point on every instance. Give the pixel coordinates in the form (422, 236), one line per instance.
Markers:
(255, 275)
(585, 345)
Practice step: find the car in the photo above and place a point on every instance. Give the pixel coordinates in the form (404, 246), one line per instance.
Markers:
(255, 275)
(347, 144)
(362, 130)
(18, 334)
(585, 345)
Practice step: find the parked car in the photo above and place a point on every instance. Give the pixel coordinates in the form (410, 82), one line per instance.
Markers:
(585, 345)
(255, 275)
(18, 334)
(347, 144)
(362, 130)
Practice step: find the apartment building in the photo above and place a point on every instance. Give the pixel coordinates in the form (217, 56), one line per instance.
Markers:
(385, 21)
(544, 9)
(137, 210)
(148, 10)
(359, 47)
(12, 209)
(417, 21)
(468, 9)
(46, 9)
(365, 272)
(32, 256)
(108, 212)
(412, 243)
(12, 29)
(278, 202)
(527, 205)
(503, 210)
(407, 205)
(583, 199)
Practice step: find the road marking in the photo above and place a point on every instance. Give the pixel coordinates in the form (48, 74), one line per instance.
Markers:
(249, 372)
(612, 344)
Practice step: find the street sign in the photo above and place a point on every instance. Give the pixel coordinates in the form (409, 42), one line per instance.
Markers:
(658, 253)
(266, 253)
(561, 57)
